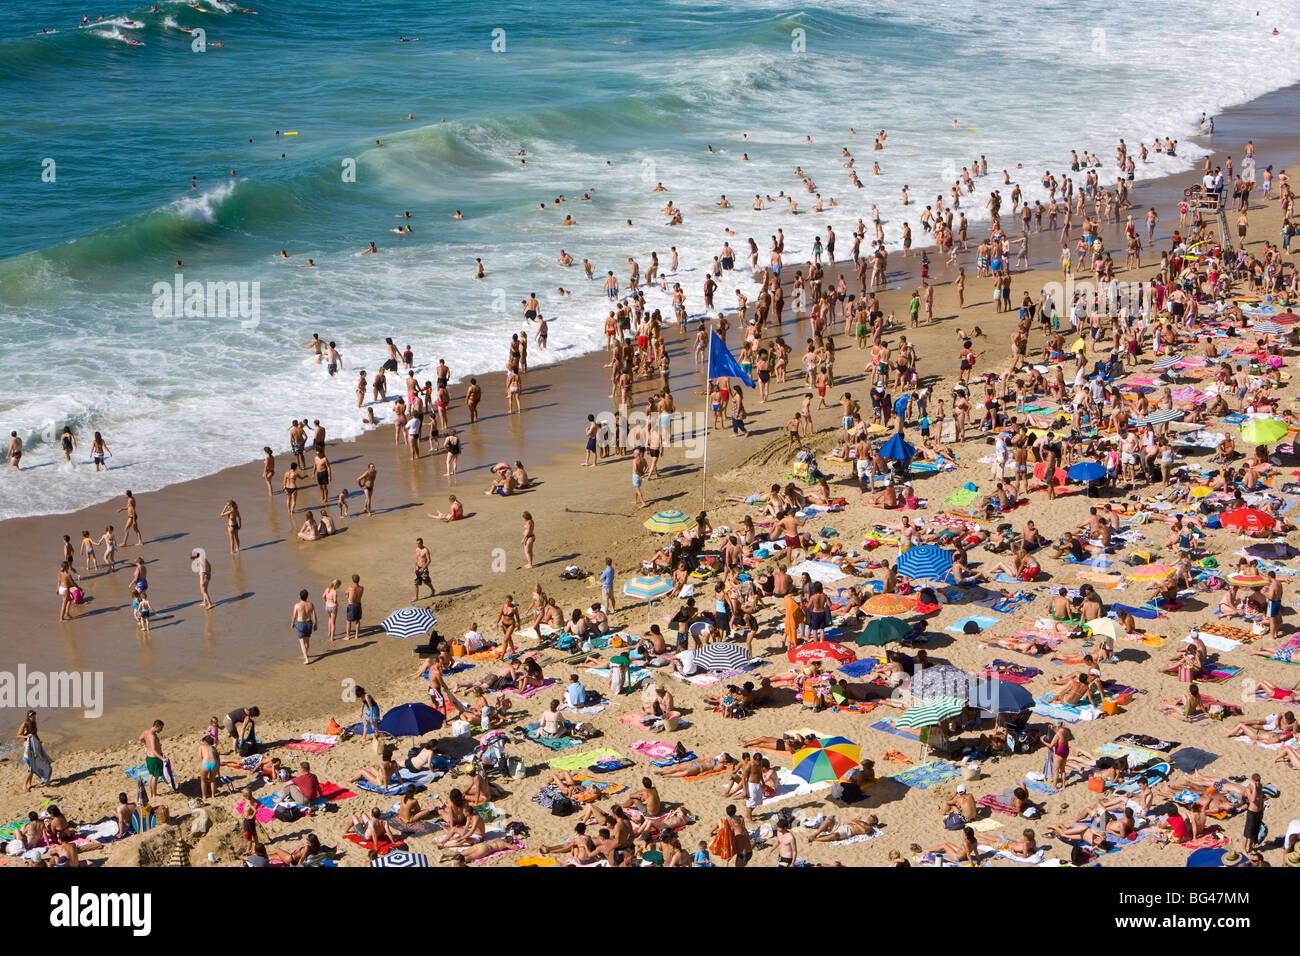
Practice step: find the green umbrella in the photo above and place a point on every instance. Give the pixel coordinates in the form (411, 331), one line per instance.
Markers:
(1263, 431)
(927, 713)
(883, 630)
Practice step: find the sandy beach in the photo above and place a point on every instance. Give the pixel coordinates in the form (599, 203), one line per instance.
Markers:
(197, 663)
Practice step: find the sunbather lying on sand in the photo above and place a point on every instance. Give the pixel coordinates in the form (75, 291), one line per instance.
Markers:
(471, 854)
(832, 832)
(696, 767)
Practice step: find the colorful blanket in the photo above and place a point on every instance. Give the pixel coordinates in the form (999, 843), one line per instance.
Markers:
(927, 775)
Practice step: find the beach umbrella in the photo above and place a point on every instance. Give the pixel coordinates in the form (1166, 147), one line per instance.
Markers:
(1263, 431)
(1163, 416)
(1267, 327)
(401, 858)
(1286, 318)
(890, 605)
(1245, 579)
(925, 561)
(722, 656)
(1169, 361)
(647, 588)
(669, 522)
(833, 758)
(927, 713)
(1201, 491)
(1086, 471)
(1151, 572)
(1107, 627)
(1000, 697)
(411, 720)
(1247, 519)
(883, 630)
(821, 651)
(897, 449)
(941, 681)
(410, 622)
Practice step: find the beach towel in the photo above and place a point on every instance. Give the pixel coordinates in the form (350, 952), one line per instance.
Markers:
(1131, 754)
(639, 721)
(537, 861)
(985, 825)
(859, 668)
(1217, 674)
(887, 726)
(1011, 672)
(309, 746)
(1071, 715)
(1221, 644)
(332, 791)
(654, 749)
(533, 690)
(708, 773)
(518, 845)
(1147, 741)
(1213, 838)
(551, 743)
(789, 786)
(980, 621)
(547, 796)
(384, 846)
(392, 790)
(609, 766)
(822, 571)
(999, 850)
(927, 775)
(265, 809)
(1013, 602)
(1088, 562)
(996, 804)
(607, 788)
(1144, 612)
(673, 761)
(638, 674)
(582, 760)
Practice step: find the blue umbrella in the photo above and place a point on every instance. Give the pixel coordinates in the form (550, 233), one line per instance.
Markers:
(925, 561)
(1086, 471)
(896, 449)
(1206, 856)
(1000, 697)
(411, 720)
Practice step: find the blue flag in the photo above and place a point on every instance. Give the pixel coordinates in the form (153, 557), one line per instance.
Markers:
(722, 364)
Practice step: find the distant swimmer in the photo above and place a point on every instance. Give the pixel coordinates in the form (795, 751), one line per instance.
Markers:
(522, 152)
(660, 188)
(408, 39)
(564, 259)
(457, 215)
(310, 264)
(628, 225)
(708, 149)
(956, 125)
(724, 202)
(807, 139)
(570, 221)
(410, 116)
(377, 143)
(194, 182)
(283, 254)
(15, 453)
(745, 157)
(407, 214)
(372, 249)
(478, 269)
(232, 172)
(402, 231)
(178, 264)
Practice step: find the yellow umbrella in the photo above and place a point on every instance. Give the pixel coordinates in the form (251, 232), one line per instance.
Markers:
(1106, 627)
(1200, 491)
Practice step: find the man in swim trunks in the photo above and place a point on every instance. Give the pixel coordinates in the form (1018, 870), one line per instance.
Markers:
(353, 608)
(154, 757)
(422, 561)
(303, 621)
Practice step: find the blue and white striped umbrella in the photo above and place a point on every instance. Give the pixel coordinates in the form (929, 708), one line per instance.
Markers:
(410, 622)
(1169, 361)
(400, 858)
(925, 561)
(1267, 328)
(1163, 415)
(722, 656)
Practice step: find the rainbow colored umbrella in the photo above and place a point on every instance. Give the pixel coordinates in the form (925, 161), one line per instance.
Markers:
(1263, 431)
(1247, 519)
(1246, 579)
(669, 522)
(1151, 572)
(833, 758)
(890, 605)
(821, 651)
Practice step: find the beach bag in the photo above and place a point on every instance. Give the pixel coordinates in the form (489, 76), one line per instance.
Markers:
(288, 813)
(516, 768)
(563, 807)
(954, 821)
(1185, 673)
(1029, 572)
(247, 748)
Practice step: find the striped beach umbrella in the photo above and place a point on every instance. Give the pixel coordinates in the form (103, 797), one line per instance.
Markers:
(1151, 572)
(925, 561)
(1247, 519)
(832, 758)
(1263, 431)
(669, 522)
(883, 630)
(1286, 318)
(1163, 416)
(410, 622)
(647, 588)
(401, 858)
(821, 651)
(1267, 327)
(1169, 361)
(722, 656)
(1245, 579)
(927, 713)
(942, 681)
(890, 605)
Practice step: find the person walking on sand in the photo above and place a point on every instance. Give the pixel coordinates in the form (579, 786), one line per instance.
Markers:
(154, 758)
(422, 561)
(67, 581)
(290, 487)
(638, 474)
(593, 429)
(303, 621)
(203, 568)
(352, 611)
(528, 538)
(132, 520)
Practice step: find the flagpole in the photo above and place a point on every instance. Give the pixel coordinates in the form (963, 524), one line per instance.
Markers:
(704, 471)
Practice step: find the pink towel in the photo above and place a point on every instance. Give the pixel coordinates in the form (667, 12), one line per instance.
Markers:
(654, 749)
(529, 693)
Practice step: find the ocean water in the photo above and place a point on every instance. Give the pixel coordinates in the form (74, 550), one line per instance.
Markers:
(106, 125)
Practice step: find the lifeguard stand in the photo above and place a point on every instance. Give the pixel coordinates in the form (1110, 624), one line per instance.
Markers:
(1208, 205)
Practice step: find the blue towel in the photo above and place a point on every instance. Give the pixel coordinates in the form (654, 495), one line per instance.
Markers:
(859, 668)
(1142, 612)
(958, 627)
(674, 760)
(392, 790)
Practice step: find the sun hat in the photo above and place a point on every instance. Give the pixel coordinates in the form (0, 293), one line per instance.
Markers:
(1231, 858)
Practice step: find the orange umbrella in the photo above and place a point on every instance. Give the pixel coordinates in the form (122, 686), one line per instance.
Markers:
(890, 605)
